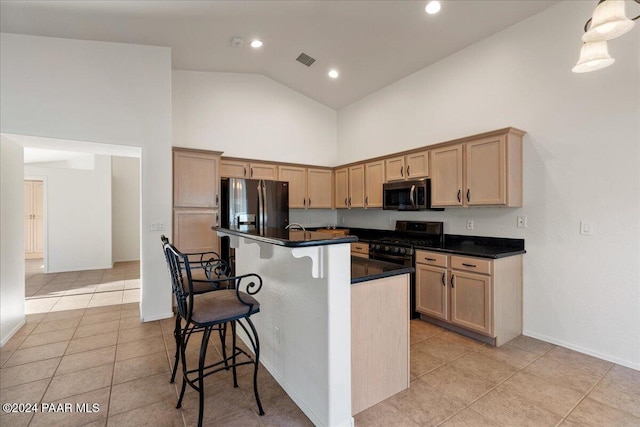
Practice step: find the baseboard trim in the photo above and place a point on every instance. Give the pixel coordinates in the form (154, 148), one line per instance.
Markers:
(158, 317)
(13, 332)
(584, 350)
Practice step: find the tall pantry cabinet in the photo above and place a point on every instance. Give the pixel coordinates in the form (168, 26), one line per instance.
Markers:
(196, 199)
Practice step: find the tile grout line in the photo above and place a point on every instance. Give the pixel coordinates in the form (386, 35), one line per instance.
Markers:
(587, 394)
(468, 406)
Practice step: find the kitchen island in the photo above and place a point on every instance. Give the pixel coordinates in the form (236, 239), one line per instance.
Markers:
(305, 320)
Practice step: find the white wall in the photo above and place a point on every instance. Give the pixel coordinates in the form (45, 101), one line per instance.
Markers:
(11, 240)
(100, 92)
(581, 159)
(251, 116)
(78, 213)
(125, 196)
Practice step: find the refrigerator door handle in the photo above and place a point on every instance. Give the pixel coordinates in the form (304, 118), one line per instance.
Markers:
(260, 220)
(265, 204)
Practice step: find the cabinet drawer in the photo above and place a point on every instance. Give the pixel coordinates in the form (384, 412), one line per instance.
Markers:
(431, 258)
(476, 265)
(360, 248)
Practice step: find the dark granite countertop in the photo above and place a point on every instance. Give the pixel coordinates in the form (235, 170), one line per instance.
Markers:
(364, 269)
(455, 244)
(289, 238)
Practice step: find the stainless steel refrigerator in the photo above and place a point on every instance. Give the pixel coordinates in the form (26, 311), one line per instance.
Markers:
(254, 206)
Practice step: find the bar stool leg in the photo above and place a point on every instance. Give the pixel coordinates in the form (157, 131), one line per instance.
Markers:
(201, 363)
(184, 366)
(176, 335)
(233, 349)
(256, 351)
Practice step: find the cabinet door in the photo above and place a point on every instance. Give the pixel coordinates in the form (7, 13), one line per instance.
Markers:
(319, 186)
(263, 171)
(471, 301)
(342, 188)
(195, 180)
(394, 169)
(192, 230)
(417, 165)
(231, 169)
(446, 176)
(374, 178)
(296, 177)
(486, 172)
(432, 292)
(356, 186)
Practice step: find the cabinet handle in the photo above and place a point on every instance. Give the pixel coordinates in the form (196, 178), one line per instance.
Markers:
(408, 166)
(309, 201)
(304, 202)
(469, 265)
(443, 281)
(359, 248)
(349, 201)
(217, 200)
(366, 201)
(251, 169)
(459, 192)
(401, 171)
(468, 195)
(345, 202)
(245, 171)
(452, 283)
(429, 259)
(217, 219)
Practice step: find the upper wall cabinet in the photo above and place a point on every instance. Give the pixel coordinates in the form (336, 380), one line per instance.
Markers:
(349, 187)
(309, 188)
(373, 180)
(195, 179)
(409, 166)
(242, 169)
(486, 171)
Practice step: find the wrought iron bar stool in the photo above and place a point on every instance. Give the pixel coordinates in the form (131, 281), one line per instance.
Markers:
(210, 311)
(208, 265)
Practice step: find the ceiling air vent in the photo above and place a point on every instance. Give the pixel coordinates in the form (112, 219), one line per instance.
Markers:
(305, 59)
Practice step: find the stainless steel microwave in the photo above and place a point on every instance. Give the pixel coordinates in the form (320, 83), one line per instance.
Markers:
(414, 195)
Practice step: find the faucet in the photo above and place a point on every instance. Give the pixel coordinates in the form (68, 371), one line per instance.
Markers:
(296, 225)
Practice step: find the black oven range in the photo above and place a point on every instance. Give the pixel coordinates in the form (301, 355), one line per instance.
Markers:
(398, 246)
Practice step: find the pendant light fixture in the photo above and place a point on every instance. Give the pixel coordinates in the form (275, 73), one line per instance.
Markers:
(609, 21)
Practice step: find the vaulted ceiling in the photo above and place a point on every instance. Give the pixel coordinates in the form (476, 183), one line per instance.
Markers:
(371, 43)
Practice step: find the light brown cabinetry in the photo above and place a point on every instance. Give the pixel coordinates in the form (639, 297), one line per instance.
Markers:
(309, 188)
(374, 178)
(360, 249)
(349, 187)
(379, 340)
(252, 170)
(409, 166)
(33, 219)
(474, 295)
(486, 171)
(196, 199)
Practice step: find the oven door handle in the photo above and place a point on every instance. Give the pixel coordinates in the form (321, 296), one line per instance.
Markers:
(384, 257)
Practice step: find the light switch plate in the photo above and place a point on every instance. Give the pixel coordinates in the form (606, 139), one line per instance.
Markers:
(522, 222)
(469, 224)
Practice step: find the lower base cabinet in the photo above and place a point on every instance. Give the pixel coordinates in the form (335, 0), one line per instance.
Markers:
(379, 340)
(476, 296)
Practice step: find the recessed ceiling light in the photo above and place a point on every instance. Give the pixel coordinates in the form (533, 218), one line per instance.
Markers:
(334, 74)
(432, 7)
(256, 44)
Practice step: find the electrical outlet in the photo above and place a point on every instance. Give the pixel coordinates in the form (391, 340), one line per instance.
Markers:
(586, 228)
(522, 222)
(157, 226)
(469, 224)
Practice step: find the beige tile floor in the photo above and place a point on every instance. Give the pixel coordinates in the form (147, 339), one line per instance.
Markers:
(103, 355)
